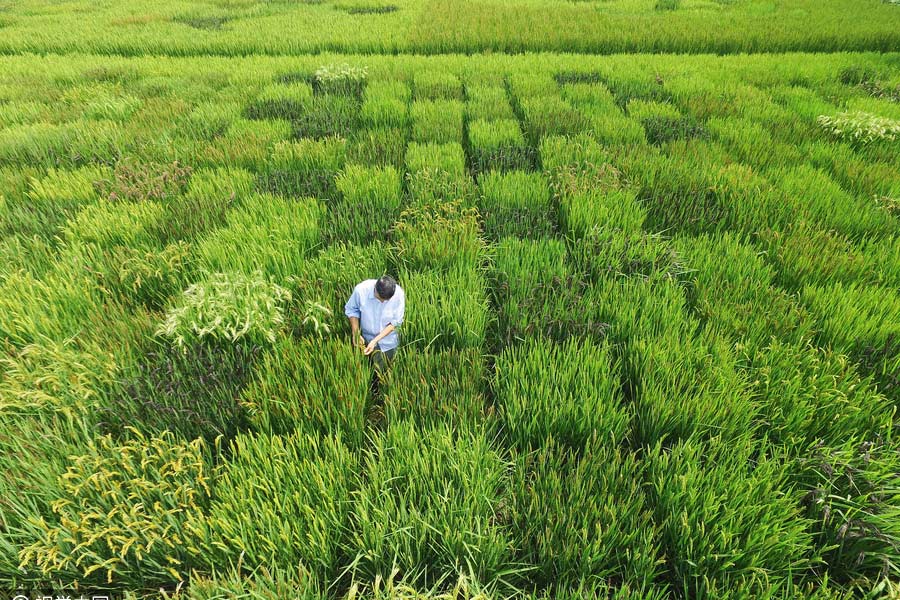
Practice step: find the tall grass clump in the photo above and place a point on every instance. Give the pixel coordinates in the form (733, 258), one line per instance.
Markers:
(549, 116)
(438, 235)
(608, 252)
(437, 121)
(203, 206)
(567, 391)
(246, 144)
(319, 387)
(301, 527)
(268, 233)
(305, 168)
(581, 516)
(278, 101)
(386, 104)
(431, 497)
(55, 197)
(438, 172)
(369, 205)
(227, 307)
(516, 203)
(446, 309)
(108, 223)
(264, 583)
(727, 516)
(434, 84)
(499, 145)
(378, 147)
(123, 517)
(431, 388)
(663, 122)
(487, 102)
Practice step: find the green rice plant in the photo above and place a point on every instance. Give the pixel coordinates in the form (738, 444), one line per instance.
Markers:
(568, 392)
(819, 198)
(305, 168)
(808, 395)
(516, 203)
(386, 104)
(148, 277)
(135, 181)
(580, 154)
(852, 502)
(24, 113)
(438, 236)
(268, 582)
(445, 309)
(450, 158)
(581, 516)
(687, 388)
(437, 121)
(40, 143)
(667, 4)
(585, 207)
(227, 307)
(29, 253)
(437, 172)
(379, 147)
(592, 95)
(613, 129)
(537, 293)
(303, 527)
(108, 223)
(727, 515)
(329, 277)
(325, 116)
(663, 122)
(488, 103)
(209, 196)
(268, 233)
(246, 144)
(65, 189)
(608, 252)
(433, 388)
(123, 505)
(342, 79)
(633, 307)
(319, 387)
(211, 119)
(860, 127)
(434, 84)
(523, 86)
(545, 116)
(859, 175)
(278, 101)
(732, 288)
(446, 586)
(752, 143)
(860, 320)
(430, 498)
(191, 392)
(97, 141)
(498, 145)
(369, 205)
(50, 200)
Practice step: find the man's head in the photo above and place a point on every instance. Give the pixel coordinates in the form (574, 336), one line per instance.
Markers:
(385, 287)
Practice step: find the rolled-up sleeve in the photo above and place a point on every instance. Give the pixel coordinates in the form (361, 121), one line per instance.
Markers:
(399, 309)
(351, 309)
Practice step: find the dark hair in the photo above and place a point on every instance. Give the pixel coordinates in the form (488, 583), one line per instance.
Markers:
(385, 286)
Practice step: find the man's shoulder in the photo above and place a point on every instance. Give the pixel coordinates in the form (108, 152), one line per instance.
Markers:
(365, 285)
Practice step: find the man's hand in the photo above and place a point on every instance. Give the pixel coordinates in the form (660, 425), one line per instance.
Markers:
(370, 348)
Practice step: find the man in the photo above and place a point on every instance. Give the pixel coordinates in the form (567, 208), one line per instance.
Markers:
(375, 310)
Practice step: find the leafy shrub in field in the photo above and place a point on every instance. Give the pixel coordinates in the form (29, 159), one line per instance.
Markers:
(437, 121)
(302, 527)
(386, 104)
(488, 103)
(134, 181)
(369, 205)
(342, 79)
(109, 223)
(607, 252)
(44, 442)
(861, 321)
(204, 205)
(438, 236)
(246, 144)
(808, 395)
(726, 515)
(227, 307)
(431, 497)
(550, 115)
(446, 309)
(516, 203)
(499, 145)
(280, 102)
(330, 276)
(125, 505)
(305, 168)
(860, 127)
(732, 288)
(538, 295)
(315, 386)
(687, 388)
(852, 501)
(433, 388)
(434, 84)
(191, 392)
(268, 233)
(568, 391)
(581, 516)
(382, 146)
(663, 122)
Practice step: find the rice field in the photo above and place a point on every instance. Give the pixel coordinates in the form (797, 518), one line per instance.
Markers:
(652, 340)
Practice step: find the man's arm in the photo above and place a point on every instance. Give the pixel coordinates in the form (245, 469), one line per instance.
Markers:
(351, 309)
(381, 335)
